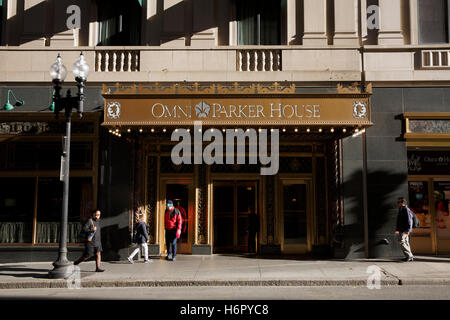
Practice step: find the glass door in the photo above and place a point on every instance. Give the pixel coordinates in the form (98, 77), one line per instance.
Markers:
(441, 193)
(295, 217)
(236, 219)
(224, 203)
(429, 199)
(419, 203)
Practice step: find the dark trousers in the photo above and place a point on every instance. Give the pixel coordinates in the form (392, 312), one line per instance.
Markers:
(171, 242)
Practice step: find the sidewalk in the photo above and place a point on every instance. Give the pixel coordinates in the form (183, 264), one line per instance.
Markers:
(222, 270)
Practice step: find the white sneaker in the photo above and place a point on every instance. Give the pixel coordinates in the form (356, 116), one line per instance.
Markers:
(131, 260)
(148, 261)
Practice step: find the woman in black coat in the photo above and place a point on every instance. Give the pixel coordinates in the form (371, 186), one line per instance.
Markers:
(141, 239)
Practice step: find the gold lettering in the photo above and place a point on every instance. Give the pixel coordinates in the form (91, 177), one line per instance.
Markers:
(215, 107)
(251, 111)
(241, 113)
(260, 111)
(317, 111)
(297, 113)
(162, 110)
(277, 109)
(285, 113)
(233, 110)
(309, 111)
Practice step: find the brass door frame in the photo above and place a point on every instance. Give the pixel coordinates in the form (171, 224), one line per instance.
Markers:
(310, 221)
(164, 180)
(247, 180)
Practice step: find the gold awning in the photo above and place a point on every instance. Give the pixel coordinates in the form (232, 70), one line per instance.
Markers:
(232, 105)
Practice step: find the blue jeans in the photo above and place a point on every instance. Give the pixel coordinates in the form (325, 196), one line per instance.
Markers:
(171, 242)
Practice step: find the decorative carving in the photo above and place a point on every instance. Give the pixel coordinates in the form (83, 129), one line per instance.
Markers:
(295, 165)
(353, 88)
(201, 206)
(335, 223)
(275, 88)
(429, 126)
(113, 110)
(359, 109)
(196, 88)
(270, 209)
(151, 197)
(105, 89)
(236, 88)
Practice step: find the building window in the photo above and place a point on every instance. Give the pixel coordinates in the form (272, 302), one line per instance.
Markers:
(433, 21)
(119, 24)
(259, 22)
(21, 198)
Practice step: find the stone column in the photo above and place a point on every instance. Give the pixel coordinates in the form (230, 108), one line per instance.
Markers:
(390, 32)
(291, 22)
(315, 14)
(346, 22)
(233, 25)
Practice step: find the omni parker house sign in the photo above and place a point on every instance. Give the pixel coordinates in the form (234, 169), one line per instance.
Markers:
(232, 105)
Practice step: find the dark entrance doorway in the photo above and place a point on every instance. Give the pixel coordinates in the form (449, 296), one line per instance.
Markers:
(236, 219)
(181, 193)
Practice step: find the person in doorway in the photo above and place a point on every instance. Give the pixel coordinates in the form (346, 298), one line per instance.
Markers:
(94, 247)
(404, 227)
(172, 223)
(183, 216)
(253, 230)
(141, 239)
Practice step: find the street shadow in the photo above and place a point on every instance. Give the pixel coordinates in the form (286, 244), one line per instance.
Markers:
(24, 272)
(298, 257)
(432, 259)
(2, 269)
(27, 275)
(383, 189)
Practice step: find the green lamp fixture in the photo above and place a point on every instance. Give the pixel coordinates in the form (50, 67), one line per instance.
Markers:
(8, 106)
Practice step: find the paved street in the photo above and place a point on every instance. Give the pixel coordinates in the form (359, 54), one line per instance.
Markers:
(236, 293)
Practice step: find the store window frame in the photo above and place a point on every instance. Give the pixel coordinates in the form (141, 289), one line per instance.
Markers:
(92, 173)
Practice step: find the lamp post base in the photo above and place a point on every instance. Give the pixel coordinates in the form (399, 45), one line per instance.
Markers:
(61, 271)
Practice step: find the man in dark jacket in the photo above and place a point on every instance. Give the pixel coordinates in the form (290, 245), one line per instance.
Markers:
(93, 247)
(141, 239)
(172, 224)
(404, 227)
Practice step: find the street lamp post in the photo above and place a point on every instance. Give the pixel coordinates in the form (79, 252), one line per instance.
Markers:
(63, 267)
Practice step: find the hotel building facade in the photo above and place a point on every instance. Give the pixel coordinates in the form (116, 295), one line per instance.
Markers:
(358, 91)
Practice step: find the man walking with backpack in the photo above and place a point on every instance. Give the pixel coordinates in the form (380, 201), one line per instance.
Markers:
(404, 227)
(93, 241)
(141, 239)
(172, 224)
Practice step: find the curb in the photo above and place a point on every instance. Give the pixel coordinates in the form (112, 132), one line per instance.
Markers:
(430, 282)
(220, 283)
